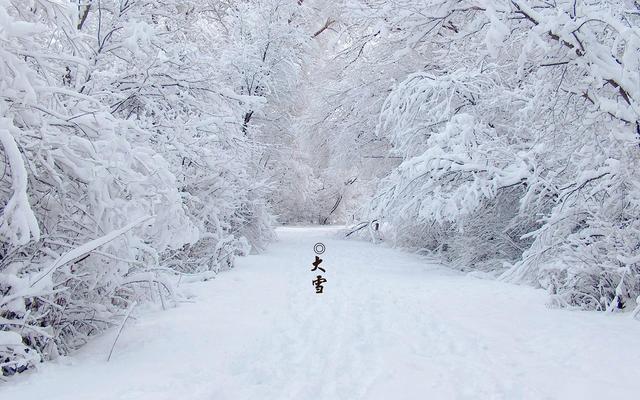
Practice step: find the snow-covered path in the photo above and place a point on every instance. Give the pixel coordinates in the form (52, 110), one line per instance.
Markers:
(390, 325)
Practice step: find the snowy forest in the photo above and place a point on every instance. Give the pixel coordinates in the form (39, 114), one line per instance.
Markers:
(146, 144)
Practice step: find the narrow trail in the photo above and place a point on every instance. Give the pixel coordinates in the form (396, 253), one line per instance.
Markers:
(389, 325)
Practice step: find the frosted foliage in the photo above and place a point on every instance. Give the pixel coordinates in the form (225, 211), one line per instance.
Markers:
(18, 224)
(127, 159)
(506, 137)
(525, 155)
(147, 142)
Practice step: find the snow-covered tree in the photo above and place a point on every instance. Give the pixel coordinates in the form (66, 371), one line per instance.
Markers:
(126, 161)
(515, 129)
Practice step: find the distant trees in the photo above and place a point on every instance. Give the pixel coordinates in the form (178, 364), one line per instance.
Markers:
(266, 53)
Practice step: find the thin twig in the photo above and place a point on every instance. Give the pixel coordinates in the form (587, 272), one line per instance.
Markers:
(113, 346)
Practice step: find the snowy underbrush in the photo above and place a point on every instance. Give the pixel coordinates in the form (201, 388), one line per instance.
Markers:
(520, 147)
(82, 273)
(121, 167)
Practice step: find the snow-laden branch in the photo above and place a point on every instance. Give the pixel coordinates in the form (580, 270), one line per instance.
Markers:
(18, 224)
(88, 248)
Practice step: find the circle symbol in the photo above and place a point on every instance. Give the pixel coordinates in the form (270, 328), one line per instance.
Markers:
(319, 248)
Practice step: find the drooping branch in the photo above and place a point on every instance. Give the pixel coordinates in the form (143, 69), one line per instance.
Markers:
(579, 50)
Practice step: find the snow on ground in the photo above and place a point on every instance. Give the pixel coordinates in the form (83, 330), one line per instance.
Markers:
(390, 325)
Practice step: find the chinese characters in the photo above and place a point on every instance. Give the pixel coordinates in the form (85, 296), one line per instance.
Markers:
(318, 248)
(318, 283)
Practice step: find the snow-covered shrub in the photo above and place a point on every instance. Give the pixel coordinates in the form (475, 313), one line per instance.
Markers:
(461, 182)
(124, 161)
(73, 180)
(586, 252)
(515, 126)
